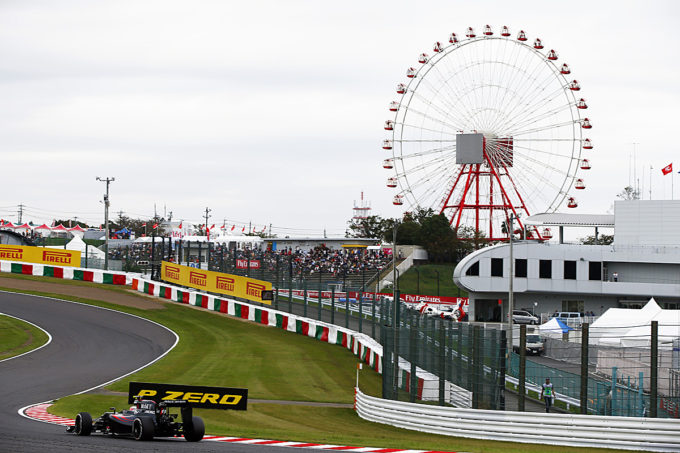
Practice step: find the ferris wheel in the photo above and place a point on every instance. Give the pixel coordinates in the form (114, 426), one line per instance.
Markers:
(487, 126)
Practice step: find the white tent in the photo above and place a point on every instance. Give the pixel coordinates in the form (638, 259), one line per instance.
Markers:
(641, 336)
(632, 327)
(78, 244)
(613, 323)
(554, 328)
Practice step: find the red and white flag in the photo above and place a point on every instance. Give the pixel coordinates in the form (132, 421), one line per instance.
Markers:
(180, 225)
(667, 169)
(213, 226)
(155, 225)
(232, 227)
(243, 229)
(144, 224)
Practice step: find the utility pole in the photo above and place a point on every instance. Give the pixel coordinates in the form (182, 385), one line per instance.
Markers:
(21, 212)
(108, 181)
(511, 296)
(207, 216)
(270, 230)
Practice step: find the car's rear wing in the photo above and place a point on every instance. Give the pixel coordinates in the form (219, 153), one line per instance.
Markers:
(190, 395)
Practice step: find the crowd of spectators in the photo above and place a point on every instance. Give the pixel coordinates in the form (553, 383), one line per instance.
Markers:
(304, 263)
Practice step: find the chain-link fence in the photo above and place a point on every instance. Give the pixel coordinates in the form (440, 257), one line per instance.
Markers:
(607, 377)
(441, 360)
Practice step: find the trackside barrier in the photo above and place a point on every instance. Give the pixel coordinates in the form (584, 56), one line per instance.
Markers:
(67, 273)
(629, 433)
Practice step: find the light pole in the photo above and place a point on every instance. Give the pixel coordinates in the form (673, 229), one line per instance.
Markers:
(395, 315)
(511, 298)
(108, 181)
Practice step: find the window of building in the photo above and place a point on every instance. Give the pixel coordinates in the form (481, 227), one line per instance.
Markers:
(595, 270)
(520, 268)
(570, 270)
(496, 267)
(473, 270)
(545, 268)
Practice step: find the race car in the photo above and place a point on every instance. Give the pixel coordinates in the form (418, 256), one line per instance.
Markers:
(143, 421)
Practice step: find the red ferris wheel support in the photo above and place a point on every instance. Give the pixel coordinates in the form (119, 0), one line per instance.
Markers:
(484, 191)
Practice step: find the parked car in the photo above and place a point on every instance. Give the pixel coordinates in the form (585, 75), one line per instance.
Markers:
(570, 318)
(523, 317)
(534, 343)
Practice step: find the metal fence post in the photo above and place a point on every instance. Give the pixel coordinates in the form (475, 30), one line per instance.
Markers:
(584, 367)
(360, 301)
(373, 317)
(653, 372)
(333, 305)
(521, 390)
(304, 285)
(502, 354)
(442, 363)
(290, 283)
(276, 295)
(413, 381)
(318, 316)
(346, 307)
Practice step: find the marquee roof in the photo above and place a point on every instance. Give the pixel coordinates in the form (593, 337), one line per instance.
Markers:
(572, 220)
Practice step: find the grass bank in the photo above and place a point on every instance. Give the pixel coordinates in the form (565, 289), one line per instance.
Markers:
(18, 337)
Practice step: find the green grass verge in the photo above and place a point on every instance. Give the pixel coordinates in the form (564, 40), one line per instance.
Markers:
(275, 365)
(410, 283)
(18, 337)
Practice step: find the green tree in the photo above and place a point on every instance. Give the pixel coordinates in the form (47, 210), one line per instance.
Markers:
(602, 239)
(371, 227)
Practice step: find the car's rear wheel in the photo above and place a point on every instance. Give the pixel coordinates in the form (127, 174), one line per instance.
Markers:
(142, 428)
(196, 431)
(83, 424)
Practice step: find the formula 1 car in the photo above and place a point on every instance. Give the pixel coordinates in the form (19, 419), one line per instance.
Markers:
(143, 421)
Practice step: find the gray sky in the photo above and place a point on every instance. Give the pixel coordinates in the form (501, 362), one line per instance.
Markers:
(272, 112)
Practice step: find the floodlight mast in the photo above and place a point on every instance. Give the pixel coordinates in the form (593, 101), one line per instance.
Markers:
(108, 181)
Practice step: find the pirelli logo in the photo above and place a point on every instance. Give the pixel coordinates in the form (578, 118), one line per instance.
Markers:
(197, 396)
(255, 289)
(225, 283)
(56, 257)
(198, 278)
(11, 253)
(172, 272)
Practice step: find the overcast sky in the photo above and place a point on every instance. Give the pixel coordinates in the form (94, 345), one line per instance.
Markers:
(273, 111)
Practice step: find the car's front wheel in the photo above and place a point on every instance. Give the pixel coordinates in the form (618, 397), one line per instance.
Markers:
(142, 428)
(196, 431)
(83, 425)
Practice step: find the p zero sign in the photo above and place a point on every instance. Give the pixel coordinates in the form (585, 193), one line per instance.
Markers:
(40, 255)
(217, 282)
(197, 396)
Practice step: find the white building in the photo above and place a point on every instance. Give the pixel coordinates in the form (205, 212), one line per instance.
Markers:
(643, 262)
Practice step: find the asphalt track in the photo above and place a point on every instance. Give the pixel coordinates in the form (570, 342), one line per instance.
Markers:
(90, 346)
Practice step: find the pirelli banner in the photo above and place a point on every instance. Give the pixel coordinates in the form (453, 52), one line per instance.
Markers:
(40, 255)
(217, 282)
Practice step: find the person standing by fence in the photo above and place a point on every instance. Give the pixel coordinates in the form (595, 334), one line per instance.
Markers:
(547, 394)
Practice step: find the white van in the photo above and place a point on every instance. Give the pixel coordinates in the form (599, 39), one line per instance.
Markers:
(570, 318)
(534, 343)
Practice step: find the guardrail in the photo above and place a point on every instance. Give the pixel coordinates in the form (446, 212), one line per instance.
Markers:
(628, 433)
